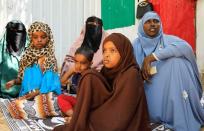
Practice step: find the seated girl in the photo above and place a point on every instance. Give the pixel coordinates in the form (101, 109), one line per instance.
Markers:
(113, 100)
(38, 74)
(83, 60)
(91, 36)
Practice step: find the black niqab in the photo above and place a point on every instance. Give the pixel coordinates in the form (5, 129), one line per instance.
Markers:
(93, 34)
(15, 37)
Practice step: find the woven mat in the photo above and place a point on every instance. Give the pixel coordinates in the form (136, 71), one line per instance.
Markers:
(9, 124)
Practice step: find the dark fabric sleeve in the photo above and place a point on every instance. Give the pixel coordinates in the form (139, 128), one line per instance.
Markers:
(126, 110)
(92, 93)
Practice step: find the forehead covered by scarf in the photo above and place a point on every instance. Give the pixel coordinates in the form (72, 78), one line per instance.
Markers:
(125, 49)
(93, 33)
(123, 45)
(15, 25)
(145, 18)
(32, 54)
(15, 37)
(94, 20)
(40, 26)
(149, 44)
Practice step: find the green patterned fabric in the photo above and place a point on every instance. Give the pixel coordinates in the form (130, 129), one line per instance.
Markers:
(117, 13)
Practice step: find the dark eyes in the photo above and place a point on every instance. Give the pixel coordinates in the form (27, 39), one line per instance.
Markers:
(110, 51)
(113, 50)
(42, 37)
(82, 63)
(152, 21)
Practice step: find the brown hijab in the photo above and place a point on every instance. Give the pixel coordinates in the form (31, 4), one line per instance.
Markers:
(125, 49)
(122, 109)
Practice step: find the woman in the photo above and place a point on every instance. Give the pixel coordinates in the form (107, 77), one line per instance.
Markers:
(172, 85)
(12, 46)
(91, 36)
(38, 74)
(116, 103)
(185, 13)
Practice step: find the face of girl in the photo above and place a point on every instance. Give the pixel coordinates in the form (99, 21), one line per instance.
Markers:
(111, 56)
(39, 39)
(81, 63)
(151, 27)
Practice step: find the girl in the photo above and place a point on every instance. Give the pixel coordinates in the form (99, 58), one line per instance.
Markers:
(116, 103)
(83, 60)
(92, 36)
(37, 71)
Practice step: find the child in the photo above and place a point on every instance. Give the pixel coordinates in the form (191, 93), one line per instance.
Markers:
(113, 100)
(83, 61)
(91, 36)
(37, 71)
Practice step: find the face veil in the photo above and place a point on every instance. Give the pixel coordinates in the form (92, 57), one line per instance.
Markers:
(93, 33)
(15, 37)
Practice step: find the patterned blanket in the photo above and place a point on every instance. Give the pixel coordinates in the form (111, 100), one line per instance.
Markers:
(28, 124)
(45, 124)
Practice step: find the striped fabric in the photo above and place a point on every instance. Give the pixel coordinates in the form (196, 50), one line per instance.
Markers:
(28, 124)
(45, 124)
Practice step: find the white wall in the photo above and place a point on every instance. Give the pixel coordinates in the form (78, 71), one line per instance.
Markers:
(13, 10)
(200, 34)
(66, 18)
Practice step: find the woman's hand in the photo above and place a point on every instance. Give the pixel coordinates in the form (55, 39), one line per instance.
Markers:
(10, 84)
(146, 67)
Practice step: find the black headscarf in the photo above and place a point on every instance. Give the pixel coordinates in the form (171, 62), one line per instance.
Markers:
(15, 37)
(93, 34)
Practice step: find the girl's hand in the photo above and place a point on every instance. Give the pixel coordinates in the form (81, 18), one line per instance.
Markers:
(41, 62)
(65, 77)
(73, 70)
(10, 84)
(67, 119)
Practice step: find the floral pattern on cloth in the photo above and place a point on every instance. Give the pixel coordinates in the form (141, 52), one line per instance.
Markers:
(43, 106)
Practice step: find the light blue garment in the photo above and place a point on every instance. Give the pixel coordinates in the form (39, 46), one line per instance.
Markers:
(174, 95)
(32, 79)
(35, 79)
(50, 83)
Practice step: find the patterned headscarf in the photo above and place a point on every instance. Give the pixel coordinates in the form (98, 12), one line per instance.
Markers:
(32, 54)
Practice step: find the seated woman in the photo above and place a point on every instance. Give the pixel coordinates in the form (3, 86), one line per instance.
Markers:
(168, 62)
(92, 35)
(116, 103)
(12, 46)
(38, 73)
